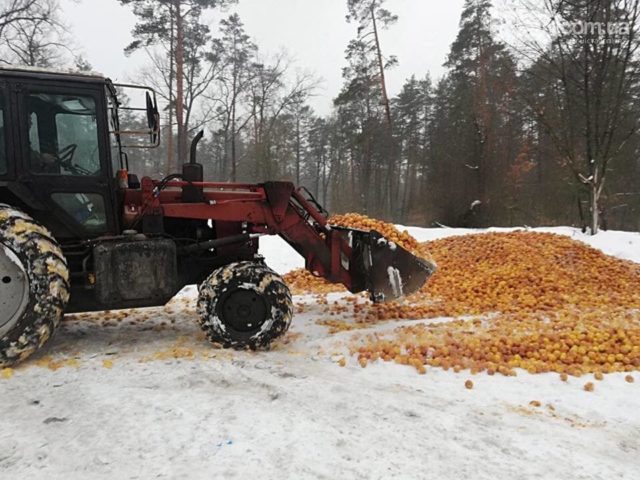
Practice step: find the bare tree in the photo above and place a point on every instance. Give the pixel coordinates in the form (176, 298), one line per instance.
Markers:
(271, 95)
(16, 11)
(34, 35)
(587, 71)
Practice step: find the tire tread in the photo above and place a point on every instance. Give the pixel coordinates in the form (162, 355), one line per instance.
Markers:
(48, 274)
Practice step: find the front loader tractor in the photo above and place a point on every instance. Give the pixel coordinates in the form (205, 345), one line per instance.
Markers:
(80, 232)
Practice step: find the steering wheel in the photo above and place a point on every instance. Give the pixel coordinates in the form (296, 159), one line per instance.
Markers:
(65, 155)
(64, 158)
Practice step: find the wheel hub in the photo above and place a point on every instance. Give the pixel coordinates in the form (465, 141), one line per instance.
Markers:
(14, 289)
(244, 310)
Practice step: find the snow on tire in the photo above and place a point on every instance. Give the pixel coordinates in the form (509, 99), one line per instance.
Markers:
(34, 285)
(244, 305)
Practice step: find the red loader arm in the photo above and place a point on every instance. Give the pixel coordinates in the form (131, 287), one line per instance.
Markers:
(359, 260)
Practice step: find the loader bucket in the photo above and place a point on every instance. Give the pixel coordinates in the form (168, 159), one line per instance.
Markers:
(383, 268)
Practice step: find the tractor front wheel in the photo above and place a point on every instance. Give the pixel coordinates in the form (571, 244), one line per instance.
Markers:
(244, 305)
(34, 285)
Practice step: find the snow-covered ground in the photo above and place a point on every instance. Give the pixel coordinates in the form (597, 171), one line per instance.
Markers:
(141, 394)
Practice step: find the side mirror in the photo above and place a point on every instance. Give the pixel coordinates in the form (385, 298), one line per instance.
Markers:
(153, 118)
(132, 105)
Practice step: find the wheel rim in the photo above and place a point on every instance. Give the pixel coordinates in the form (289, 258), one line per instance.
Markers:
(243, 310)
(14, 289)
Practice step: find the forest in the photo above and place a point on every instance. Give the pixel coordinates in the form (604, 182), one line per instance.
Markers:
(535, 121)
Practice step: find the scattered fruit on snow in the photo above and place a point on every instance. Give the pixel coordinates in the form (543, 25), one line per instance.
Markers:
(537, 301)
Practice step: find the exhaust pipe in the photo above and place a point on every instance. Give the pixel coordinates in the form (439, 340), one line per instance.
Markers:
(193, 172)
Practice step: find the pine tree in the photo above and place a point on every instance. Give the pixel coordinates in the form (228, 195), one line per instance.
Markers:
(177, 24)
(480, 87)
(238, 55)
(413, 113)
(364, 109)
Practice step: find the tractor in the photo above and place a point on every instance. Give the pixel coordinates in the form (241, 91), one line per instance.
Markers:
(79, 232)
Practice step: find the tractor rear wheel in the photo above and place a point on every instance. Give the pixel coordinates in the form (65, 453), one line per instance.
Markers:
(244, 305)
(34, 285)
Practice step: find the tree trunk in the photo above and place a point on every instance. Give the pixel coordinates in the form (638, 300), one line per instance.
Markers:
(596, 186)
(170, 167)
(298, 140)
(388, 193)
(383, 82)
(233, 142)
(182, 141)
(593, 207)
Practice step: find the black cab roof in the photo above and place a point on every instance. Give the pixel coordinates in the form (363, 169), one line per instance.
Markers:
(50, 74)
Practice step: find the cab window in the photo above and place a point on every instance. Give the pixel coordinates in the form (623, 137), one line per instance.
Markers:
(87, 209)
(3, 146)
(63, 134)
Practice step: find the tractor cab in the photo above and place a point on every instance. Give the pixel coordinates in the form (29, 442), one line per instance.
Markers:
(61, 145)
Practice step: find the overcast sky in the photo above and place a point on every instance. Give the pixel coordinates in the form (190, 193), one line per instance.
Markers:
(313, 32)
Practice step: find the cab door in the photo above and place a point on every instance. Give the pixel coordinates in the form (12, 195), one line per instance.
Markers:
(65, 156)
(6, 167)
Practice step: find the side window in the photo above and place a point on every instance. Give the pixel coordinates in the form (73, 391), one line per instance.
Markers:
(3, 146)
(34, 136)
(63, 134)
(86, 208)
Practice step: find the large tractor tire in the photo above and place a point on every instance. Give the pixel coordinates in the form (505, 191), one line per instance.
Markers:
(244, 305)
(34, 285)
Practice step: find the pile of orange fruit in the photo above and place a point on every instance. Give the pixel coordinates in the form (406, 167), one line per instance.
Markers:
(523, 272)
(362, 222)
(535, 301)
(575, 342)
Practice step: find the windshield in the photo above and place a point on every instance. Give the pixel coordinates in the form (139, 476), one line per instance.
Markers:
(63, 134)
